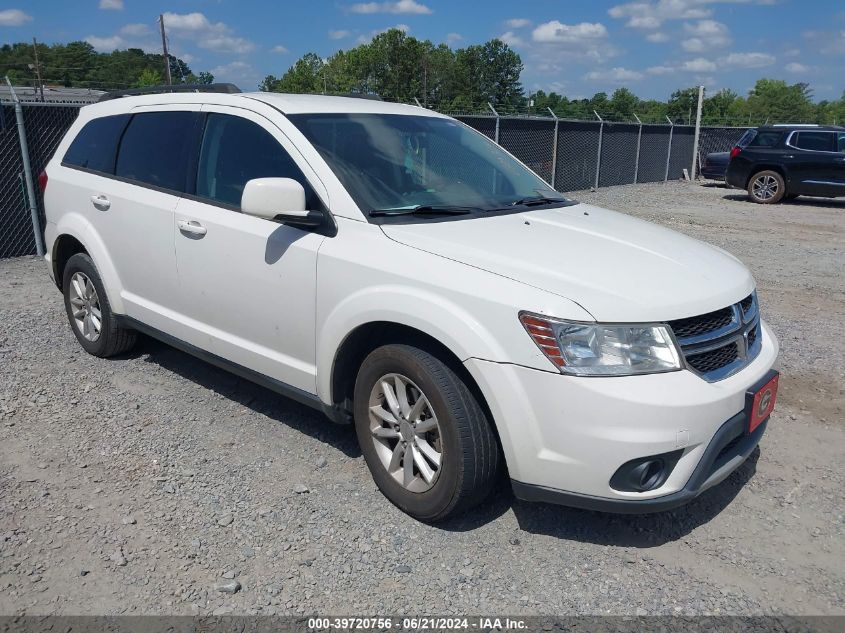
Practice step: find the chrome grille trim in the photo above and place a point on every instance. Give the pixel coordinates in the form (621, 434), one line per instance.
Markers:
(745, 321)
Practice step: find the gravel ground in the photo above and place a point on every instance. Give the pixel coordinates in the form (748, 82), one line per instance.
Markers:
(157, 484)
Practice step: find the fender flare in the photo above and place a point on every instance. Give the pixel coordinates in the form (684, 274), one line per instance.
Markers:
(76, 226)
(425, 311)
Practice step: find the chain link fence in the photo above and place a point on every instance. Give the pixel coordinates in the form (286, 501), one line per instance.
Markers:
(570, 155)
(586, 154)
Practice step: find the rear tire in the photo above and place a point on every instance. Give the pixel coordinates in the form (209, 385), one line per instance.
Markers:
(766, 187)
(89, 312)
(425, 438)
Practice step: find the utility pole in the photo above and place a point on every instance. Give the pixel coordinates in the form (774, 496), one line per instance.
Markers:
(164, 51)
(38, 69)
(697, 131)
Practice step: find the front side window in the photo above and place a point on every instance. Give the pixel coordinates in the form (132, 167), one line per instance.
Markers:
(155, 147)
(234, 151)
(95, 147)
(396, 162)
(840, 142)
(816, 141)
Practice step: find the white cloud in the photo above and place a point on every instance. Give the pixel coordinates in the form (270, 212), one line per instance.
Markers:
(106, 44)
(454, 37)
(511, 39)
(660, 70)
(236, 72)
(795, 67)
(556, 32)
(339, 34)
(136, 30)
(651, 14)
(14, 17)
(114, 5)
(213, 36)
(614, 75)
(402, 6)
(747, 60)
(826, 42)
(517, 23)
(657, 37)
(706, 35)
(556, 46)
(281, 50)
(699, 65)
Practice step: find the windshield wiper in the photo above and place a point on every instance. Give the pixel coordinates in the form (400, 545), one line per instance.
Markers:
(423, 209)
(536, 200)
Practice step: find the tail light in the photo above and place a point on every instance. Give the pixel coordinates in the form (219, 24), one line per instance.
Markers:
(42, 182)
(735, 151)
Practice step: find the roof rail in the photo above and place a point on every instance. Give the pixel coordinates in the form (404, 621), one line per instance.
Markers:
(359, 95)
(150, 90)
(795, 125)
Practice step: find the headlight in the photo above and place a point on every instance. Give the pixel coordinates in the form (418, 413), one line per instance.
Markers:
(595, 349)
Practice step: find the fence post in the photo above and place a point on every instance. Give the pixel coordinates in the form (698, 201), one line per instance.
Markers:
(697, 131)
(27, 173)
(554, 149)
(637, 159)
(669, 150)
(496, 137)
(598, 154)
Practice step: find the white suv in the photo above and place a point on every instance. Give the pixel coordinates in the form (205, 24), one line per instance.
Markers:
(393, 268)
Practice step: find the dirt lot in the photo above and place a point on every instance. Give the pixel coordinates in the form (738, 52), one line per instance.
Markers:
(143, 484)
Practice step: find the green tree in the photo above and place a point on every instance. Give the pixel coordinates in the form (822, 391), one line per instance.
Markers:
(623, 105)
(149, 77)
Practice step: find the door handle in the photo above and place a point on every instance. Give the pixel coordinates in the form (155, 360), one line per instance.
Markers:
(789, 156)
(192, 227)
(100, 201)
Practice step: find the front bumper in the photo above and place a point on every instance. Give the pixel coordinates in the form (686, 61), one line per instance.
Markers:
(564, 437)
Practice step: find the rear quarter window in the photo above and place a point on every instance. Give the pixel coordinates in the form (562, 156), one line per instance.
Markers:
(95, 146)
(154, 149)
(766, 139)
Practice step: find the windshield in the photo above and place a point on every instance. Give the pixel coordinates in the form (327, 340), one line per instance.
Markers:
(395, 162)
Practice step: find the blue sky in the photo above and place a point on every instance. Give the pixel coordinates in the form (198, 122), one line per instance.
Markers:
(574, 47)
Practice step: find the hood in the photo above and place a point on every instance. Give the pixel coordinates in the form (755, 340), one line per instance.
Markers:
(618, 268)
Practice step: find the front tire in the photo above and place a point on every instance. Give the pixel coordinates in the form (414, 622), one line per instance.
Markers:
(89, 312)
(425, 438)
(766, 187)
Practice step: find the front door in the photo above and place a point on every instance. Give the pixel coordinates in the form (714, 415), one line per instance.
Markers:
(248, 285)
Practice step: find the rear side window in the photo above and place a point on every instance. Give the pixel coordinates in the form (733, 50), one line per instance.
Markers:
(818, 141)
(235, 150)
(95, 147)
(746, 138)
(766, 139)
(155, 147)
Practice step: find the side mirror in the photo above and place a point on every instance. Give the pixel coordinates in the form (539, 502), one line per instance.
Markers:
(274, 199)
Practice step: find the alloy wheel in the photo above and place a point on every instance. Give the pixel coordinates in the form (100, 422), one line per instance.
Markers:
(85, 306)
(405, 432)
(765, 187)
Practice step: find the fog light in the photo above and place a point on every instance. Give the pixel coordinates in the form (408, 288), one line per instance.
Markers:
(645, 473)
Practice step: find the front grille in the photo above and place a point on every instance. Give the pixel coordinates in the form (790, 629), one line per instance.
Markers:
(752, 337)
(704, 324)
(714, 359)
(720, 343)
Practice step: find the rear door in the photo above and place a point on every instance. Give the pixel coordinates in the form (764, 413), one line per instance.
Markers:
(815, 166)
(248, 285)
(136, 209)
